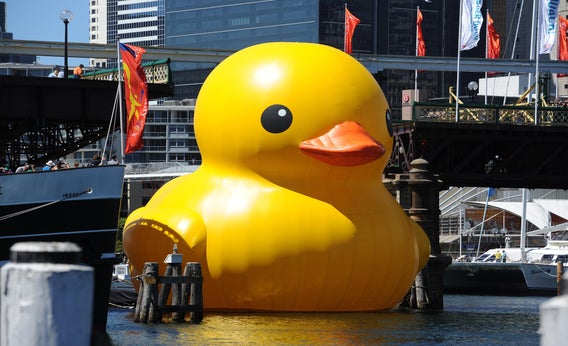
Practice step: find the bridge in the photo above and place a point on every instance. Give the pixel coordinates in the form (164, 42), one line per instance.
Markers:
(486, 146)
(373, 62)
(497, 146)
(46, 118)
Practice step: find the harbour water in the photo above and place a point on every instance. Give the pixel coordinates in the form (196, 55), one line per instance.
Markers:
(465, 320)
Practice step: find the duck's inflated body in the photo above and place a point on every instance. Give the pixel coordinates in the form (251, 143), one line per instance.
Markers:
(288, 211)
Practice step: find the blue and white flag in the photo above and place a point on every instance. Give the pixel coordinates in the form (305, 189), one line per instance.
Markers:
(548, 12)
(470, 23)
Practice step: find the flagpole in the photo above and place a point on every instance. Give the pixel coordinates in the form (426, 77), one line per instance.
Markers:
(513, 50)
(416, 50)
(533, 45)
(536, 75)
(345, 29)
(458, 67)
(119, 77)
(557, 58)
(486, 49)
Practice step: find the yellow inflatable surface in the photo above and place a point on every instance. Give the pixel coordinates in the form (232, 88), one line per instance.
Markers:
(288, 211)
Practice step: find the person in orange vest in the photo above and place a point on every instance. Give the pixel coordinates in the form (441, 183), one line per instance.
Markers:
(78, 71)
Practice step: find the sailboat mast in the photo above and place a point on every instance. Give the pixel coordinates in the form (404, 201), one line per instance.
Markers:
(458, 67)
(536, 74)
(524, 226)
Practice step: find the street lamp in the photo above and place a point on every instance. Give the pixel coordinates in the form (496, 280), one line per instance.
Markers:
(472, 87)
(66, 16)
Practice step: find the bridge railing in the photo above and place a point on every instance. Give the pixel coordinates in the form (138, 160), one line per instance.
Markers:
(157, 72)
(494, 114)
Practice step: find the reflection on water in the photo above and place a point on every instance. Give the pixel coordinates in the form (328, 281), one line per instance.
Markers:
(465, 320)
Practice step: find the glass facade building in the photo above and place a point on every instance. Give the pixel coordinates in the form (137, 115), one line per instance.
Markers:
(235, 24)
(139, 22)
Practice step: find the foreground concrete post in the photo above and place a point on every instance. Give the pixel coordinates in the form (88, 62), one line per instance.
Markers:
(554, 318)
(46, 297)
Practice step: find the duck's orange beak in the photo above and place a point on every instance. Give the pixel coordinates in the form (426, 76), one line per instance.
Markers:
(347, 144)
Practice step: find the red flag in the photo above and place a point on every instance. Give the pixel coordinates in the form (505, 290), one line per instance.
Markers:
(350, 23)
(562, 41)
(135, 94)
(493, 42)
(420, 44)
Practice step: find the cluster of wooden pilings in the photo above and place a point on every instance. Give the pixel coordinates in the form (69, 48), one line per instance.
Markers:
(154, 293)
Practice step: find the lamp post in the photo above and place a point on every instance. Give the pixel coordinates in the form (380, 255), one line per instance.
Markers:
(66, 16)
(472, 87)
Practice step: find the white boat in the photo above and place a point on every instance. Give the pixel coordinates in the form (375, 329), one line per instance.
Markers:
(121, 272)
(535, 273)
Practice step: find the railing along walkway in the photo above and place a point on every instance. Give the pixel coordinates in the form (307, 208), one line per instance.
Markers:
(490, 114)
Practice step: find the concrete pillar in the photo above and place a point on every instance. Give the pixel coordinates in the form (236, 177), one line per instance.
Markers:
(46, 297)
(418, 194)
(554, 318)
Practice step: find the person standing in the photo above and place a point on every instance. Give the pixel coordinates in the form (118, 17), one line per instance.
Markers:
(498, 256)
(113, 160)
(48, 166)
(78, 71)
(22, 169)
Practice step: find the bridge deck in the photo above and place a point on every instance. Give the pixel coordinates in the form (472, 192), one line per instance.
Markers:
(46, 118)
(485, 154)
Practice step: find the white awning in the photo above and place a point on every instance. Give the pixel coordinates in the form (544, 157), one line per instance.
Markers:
(555, 206)
(536, 214)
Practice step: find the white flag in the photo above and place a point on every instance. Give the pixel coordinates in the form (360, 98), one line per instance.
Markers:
(470, 23)
(548, 12)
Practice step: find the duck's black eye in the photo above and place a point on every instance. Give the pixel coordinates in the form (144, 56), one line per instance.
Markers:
(389, 122)
(276, 118)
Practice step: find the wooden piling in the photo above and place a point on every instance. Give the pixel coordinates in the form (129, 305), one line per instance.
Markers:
(145, 311)
(196, 295)
(164, 292)
(177, 316)
(152, 301)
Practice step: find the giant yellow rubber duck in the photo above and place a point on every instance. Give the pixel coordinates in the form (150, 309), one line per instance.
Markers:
(288, 211)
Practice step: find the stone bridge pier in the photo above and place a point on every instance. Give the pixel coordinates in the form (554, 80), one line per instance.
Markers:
(418, 194)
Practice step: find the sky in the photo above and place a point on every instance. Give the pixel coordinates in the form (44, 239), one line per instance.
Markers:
(39, 20)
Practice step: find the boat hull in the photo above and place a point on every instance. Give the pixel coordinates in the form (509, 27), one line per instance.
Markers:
(501, 278)
(79, 205)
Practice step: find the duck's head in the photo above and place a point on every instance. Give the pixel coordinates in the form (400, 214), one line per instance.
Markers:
(281, 107)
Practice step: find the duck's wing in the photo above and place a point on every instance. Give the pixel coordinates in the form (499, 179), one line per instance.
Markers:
(150, 235)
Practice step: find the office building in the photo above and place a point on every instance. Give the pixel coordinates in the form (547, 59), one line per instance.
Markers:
(139, 22)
